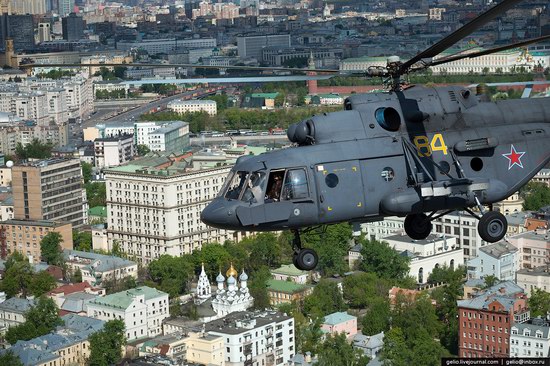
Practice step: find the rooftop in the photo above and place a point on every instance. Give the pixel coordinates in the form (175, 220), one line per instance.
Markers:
(17, 305)
(43, 223)
(244, 321)
(499, 249)
(123, 299)
(289, 270)
(264, 95)
(538, 235)
(100, 211)
(166, 128)
(285, 286)
(338, 318)
(505, 293)
(537, 271)
(96, 262)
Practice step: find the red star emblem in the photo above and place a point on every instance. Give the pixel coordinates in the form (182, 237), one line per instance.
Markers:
(514, 157)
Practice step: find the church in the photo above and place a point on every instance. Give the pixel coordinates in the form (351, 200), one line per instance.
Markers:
(230, 296)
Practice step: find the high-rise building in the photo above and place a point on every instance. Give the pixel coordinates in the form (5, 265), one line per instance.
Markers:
(5, 6)
(44, 32)
(73, 27)
(485, 321)
(251, 46)
(49, 190)
(28, 7)
(65, 7)
(20, 28)
(154, 206)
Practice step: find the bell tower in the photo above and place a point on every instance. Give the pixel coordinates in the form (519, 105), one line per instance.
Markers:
(311, 84)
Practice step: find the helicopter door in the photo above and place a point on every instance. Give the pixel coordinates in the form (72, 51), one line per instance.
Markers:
(340, 190)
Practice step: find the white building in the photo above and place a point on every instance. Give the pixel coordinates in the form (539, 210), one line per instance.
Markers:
(530, 340)
(12, 312)
(142, 309)
(97, 268)
(113, 151)
(498, 259)
(427, 254)
(190, 106)
(260, 338)
(154, 206)
(534, 278)
(543, 176)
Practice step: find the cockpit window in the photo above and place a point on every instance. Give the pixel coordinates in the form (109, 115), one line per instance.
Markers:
(255, 186)
(274, 186)
(295, 186)
(236, 184)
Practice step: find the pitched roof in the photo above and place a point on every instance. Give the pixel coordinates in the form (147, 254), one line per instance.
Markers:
(499, 249)
(285, 286)
(338, 318)
(505, 293)
(17, 305)
(70, 288)
(123, 299)
(289, 270)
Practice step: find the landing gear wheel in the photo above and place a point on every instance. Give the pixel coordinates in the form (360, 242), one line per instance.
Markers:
(492, 226)
(306, 259)
(418, 226)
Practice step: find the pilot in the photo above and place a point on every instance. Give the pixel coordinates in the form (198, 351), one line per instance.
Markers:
(274, 194)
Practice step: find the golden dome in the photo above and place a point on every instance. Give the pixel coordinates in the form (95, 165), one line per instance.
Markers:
(231, 272)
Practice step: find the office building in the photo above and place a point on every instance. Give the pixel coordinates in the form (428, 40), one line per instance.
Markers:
(142, 309)
(205, 349)
(24, 236)
(154, 206)
(20, 28)
(33, 7)
(49, 190)
(73, 27)
(259, 338)
(44, 32)
(169, 137)
(499, 260)
(113, 151)
(485, 321)
(191, 106)
(252, 46)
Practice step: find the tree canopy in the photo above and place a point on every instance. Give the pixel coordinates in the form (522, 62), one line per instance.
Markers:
(379, 258)
(325, 299)
(336, 350)
(34, 150)
(539, 302)
(50, 248)
(40, 319)
(106, 345)
(535, 195)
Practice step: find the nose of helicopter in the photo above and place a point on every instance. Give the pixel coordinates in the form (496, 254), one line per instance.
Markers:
(220, 213)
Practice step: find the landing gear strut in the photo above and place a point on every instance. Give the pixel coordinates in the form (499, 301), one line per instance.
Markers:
(304, 259)
(418, 226)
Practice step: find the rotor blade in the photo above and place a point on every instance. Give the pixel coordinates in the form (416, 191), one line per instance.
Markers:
(489, 51)
(232, 67)
(460, 33)
(229, 80)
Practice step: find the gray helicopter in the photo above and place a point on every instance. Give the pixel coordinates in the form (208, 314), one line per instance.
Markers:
(414, 151)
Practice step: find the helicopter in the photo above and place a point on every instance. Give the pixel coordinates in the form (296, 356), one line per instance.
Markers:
(417, 152)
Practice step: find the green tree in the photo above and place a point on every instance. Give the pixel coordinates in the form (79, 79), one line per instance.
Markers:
(336, 350)
(96, 193)
(86, 171)
(77, 276)
(331, 246)
(41, 283)
(106, 345)
(361, 288)
(17, 276)
(214, 256)
(308, 333)
(377, 317)
(539, 302)
(387, 263)
(82, 240)
(325, 299)
(143, 150)
(34, 150)
(395, 351)
(10, 358)
(172, 274)
(258, 287)
(264, 250)
(40, 319)
(490, 281)
(50, 248)
(535, 195)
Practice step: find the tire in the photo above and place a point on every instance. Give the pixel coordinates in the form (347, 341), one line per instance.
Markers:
(418, 226)
(492, 226)
(306, 260)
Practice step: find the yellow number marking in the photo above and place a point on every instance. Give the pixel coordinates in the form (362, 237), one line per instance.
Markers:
(426, 148)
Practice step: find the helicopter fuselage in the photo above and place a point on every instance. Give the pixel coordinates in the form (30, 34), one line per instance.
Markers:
(388, 154)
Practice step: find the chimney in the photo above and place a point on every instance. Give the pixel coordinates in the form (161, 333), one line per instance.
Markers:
(308, 356)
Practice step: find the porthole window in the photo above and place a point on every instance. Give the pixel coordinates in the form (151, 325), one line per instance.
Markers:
(388, 118)
(445, 167)
(331, 180)
(388, 174)
(476, 164)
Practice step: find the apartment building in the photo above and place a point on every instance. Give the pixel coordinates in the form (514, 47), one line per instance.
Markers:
(97, 268)
(12, 312)
(24, 236)
(113, 151)
(534, 278)
(49, 189)
(191, 106)
(534, 248)
(154, 206)
(485, 320)
(142, 309)
(259, 338)
(499, 259)
(205, 349)
(530, 339)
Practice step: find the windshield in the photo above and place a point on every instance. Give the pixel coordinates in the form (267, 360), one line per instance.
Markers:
(255, 188)
(235, 186)
(295, 186)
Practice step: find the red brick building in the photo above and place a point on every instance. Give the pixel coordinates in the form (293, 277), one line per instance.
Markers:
(485, 320)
